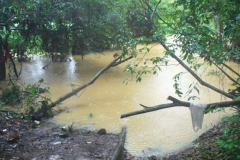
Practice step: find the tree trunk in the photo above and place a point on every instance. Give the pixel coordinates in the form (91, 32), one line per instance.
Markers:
(2, 71)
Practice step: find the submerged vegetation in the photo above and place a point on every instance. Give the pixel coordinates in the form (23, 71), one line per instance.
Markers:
(206, 32)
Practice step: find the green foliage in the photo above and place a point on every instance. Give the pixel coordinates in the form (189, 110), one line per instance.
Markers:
(229, 142)
(208, 28)
(29, 96)
(176, 85)
(10, 94)
(62, 26)
(192, 87)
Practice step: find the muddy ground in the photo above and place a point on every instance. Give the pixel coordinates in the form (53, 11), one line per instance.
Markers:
(25, 140)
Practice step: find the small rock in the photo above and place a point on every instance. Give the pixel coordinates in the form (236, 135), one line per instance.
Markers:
(56, 143)
(102, 131)
(54, 157)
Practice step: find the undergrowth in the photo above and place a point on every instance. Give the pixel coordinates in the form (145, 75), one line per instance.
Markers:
(29, 97)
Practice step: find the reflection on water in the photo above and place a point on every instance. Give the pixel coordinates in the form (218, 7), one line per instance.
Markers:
(101, 104)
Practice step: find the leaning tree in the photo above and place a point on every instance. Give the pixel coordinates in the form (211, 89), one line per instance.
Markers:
(203, 30)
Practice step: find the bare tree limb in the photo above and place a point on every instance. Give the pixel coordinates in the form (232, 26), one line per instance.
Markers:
(194, 74)
(149, 7)
(144, 106)
(154, 10)
(172, 54)
(176, 102)
(231, 69)
(229, 77)
(121, 61)
(75, 91)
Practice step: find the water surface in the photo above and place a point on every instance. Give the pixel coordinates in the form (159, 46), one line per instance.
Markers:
(101, 104)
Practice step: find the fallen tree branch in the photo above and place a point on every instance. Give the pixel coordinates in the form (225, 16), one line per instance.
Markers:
(121, 61)
(176, 102)
(75, 91)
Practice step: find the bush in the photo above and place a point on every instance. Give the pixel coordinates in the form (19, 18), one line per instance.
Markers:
(10, 94)
(30, 96)
(229, 142)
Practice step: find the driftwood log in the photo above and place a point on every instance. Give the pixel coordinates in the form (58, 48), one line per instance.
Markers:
(118, 153)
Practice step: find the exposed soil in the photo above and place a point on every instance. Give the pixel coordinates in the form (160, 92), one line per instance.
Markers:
(21, 139)
(52, 142)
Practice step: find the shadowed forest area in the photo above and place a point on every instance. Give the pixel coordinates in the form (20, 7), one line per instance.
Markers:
(56, 40)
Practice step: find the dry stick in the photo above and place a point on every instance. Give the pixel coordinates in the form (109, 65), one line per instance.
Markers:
(231, 69)
(75, 91)
(176, 103)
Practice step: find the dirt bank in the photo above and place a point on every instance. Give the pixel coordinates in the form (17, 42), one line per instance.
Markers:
(48, 141)
(23, 140)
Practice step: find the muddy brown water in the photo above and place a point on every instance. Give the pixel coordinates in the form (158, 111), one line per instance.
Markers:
(101, 104)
